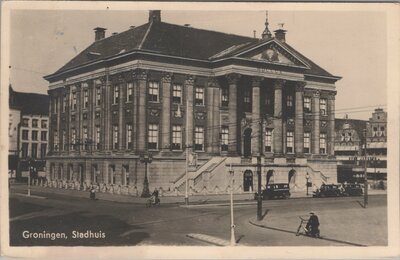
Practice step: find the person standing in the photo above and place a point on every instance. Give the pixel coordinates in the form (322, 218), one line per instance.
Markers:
(312, 226)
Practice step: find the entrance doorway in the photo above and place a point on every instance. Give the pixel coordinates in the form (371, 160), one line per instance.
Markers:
(247, 143)
(248, 181)
(270, 177)
(292, 178)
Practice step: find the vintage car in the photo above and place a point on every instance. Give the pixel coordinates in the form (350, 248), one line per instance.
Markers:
(352, 189)
(276, 190)
(328, 190)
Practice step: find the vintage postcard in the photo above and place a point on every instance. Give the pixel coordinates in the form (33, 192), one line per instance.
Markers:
(208, 130)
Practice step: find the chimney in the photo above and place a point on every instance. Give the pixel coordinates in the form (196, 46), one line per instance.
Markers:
(154, 16)
(99, 33)
(280, 34)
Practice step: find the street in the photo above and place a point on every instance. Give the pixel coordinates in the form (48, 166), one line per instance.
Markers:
(344, 222)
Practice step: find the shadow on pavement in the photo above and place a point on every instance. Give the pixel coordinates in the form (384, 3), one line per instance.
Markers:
(265, 213)
(77, 221)
(361, 204)
(18, 208)
(323, 238)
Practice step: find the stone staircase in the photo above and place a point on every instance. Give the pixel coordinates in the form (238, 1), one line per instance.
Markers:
(317, 175)
(195, 176)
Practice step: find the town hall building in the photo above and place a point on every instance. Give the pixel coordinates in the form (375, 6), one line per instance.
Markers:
(134, 106)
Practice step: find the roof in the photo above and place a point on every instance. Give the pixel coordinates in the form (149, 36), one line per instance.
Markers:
(357, 124)
(175, 40)
(29, 103)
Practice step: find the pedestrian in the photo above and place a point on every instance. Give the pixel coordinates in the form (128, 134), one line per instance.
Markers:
(312, 227)
(155, 194)
(93, 193)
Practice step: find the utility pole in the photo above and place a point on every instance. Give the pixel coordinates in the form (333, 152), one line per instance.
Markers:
(259, 195)
(233, 240)
(365, 170)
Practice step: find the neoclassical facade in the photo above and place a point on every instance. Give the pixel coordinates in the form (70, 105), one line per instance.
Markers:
(165, 90)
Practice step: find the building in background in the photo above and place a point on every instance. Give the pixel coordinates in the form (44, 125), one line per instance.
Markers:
(165, 89)
(349, 148)
(28, 132)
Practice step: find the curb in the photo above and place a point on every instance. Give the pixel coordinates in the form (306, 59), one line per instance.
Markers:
(218, 204)
(209, 239)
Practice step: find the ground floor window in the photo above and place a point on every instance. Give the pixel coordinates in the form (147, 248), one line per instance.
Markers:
(289, 142)
(268, 140)
(306, 142)
(176, 137)
(199, 138)
(153, 137)
(224, 138)
(322, 143)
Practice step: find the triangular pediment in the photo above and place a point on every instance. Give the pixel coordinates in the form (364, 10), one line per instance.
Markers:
(273, 52)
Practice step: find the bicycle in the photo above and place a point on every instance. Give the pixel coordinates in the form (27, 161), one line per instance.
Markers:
(152, 201)
(307, 232)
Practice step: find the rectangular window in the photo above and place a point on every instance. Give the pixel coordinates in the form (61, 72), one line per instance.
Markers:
(35, 123)
(65, 103)
(322, 143)
(115, 137)
(177, 94)
(44, 123)
(43, 136)
(289, 101)
(199, 138)
(224, 97)
(73, 104)
(34, 150)
(55, 105)
(85, 137)
(73, 138)
(153, 91)
(25, 122)
(176, 137)
(307, 104)
(322, 106)
(129, 92)
(24, 150)
(224, 138)
(247, 96)
(98, 137)
(116, 95)
(25, 134)
(307, 142)
(43, 150)
(129, 136)
(34, 135)
(268, 140)
(199, 96)
(289, 142)
(85, 98)
(98, 96)
(64, 140)
(153, 136)
(56, 141)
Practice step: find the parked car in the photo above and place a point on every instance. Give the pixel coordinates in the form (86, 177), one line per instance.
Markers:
(352, 189)
(274, 191)
(328, 190)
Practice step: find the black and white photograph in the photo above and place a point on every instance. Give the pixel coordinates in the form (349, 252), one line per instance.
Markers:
(202, 126)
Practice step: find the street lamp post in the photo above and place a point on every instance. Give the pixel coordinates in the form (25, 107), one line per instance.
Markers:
(365, 170)
(233, 240)
(259, 196)
(307, 181)
(146, 158)
(30, 167)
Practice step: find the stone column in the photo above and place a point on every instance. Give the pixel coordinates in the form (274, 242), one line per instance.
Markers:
(209, 101)
(299, 127)
(233, 139)
(188, 86)
(122, 89)
(78, 114)
(141, 110)
(135, 101)
(216, 125)
(256, 117)
(67, 115)
(331, 120)
(315, 122)
(166, 112)
(51, 128)
(107, 113)
(278, 138)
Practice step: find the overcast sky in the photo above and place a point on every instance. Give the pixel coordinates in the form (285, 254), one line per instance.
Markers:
(347, 44)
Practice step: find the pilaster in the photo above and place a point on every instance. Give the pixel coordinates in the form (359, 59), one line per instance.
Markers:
(188, 85)
(256, 117)
(315, 122)
(141, 77)
(331, 119)
(166, 111)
